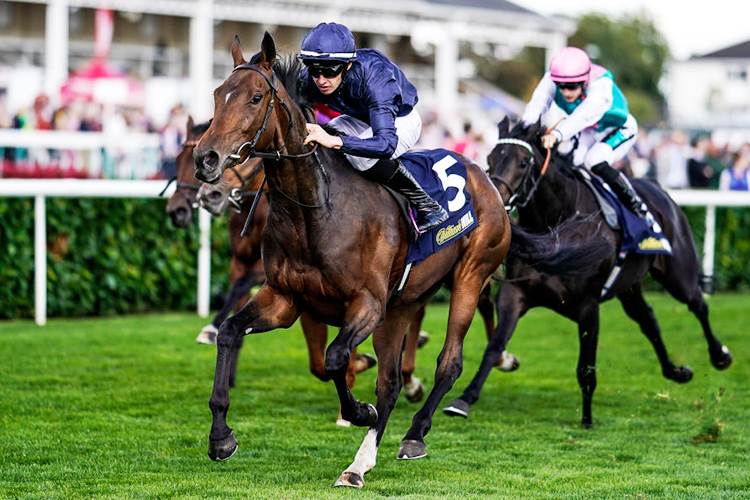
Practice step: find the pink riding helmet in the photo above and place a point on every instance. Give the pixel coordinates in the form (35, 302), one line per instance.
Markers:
(571, 64)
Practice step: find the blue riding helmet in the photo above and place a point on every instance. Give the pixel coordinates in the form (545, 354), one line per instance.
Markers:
(328, 42)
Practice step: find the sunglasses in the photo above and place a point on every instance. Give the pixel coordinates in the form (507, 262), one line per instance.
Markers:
(569, 85)
(328, 71)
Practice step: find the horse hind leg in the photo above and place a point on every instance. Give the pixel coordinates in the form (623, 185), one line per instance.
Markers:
(637, 309)
(413, 388)
(588, 337)
(685, 287)
(463, 305)
(721, 357)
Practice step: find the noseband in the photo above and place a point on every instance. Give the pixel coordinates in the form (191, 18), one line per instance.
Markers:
(529, 182)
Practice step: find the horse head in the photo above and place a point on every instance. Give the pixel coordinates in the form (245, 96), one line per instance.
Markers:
(237, 183)
(246, 119)
(516, 162)
(183, 202)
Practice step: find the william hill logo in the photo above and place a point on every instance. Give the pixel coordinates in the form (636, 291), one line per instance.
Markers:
(450, 232)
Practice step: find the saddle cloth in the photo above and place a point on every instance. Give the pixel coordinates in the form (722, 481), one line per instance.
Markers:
(443, 177)
(637, 234)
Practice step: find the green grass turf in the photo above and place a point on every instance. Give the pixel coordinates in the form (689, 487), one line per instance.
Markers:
(118, 408)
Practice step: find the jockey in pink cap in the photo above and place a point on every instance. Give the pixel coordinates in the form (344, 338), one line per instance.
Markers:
(599, 129)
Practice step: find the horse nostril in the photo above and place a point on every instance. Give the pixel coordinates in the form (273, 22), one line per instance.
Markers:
(211, 160)
(214, 195)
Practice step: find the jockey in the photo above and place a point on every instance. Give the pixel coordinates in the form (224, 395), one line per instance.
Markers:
(598, 122)
(378, 122)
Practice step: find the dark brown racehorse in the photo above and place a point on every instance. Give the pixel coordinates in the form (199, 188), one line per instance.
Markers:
(546, 199)
(335, 246)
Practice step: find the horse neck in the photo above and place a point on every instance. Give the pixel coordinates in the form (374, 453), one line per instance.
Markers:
(553, 200)
(302, 179)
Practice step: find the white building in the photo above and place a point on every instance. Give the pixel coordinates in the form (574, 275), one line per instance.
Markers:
(181, 47)
(711, 92)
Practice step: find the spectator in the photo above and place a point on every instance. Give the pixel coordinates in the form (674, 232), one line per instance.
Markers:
(172, 137)
(736, 177)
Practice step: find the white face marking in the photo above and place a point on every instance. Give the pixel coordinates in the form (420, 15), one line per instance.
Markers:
(227, 98)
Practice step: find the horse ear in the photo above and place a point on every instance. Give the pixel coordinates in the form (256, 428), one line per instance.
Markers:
(268, 49)
(504, 126)
(190, 126)
(237, 52)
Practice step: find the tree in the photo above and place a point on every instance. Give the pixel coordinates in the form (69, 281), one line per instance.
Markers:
(634, 50)
(631, 47)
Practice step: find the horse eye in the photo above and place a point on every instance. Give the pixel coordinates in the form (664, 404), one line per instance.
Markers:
(256, 98)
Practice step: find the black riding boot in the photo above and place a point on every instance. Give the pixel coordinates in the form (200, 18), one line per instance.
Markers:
(623, 189)
(394, 175)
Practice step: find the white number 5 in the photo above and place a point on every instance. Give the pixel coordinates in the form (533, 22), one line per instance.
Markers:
(452, 180)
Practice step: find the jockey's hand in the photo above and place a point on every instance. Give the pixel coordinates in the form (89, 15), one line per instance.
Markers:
(315, 133)
(549, 141)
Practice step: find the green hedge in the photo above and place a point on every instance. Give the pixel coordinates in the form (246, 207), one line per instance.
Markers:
(105, 256)
(118, 256)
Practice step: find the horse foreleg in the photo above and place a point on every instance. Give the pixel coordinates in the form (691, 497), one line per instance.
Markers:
(265, 311)
(387, 343)
(243, 280)
(413, 388)
(637, 309)
(363, 316)
(463, 305)
(510, 307)
(588, 338)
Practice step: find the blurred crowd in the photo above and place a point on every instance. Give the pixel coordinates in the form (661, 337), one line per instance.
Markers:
(85, 116)
(676, 159)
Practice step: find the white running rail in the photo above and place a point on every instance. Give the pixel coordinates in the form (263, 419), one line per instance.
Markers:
(39, 189)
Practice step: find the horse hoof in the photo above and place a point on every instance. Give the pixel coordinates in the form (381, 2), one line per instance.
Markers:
(508, 363)
(722, 360)
(587, 425)
(411, 449)
(366, 416)
(343, 423)
(424, 337)
(682, 374)
(350, 479)
(364, 362)
(458, 408)
(207, 335)
(222, 449)
(414, 392)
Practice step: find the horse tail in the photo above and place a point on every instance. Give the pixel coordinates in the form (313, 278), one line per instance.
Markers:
(564, 250)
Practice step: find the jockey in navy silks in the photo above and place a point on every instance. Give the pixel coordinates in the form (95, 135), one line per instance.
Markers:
(598, 119)
(378, 122)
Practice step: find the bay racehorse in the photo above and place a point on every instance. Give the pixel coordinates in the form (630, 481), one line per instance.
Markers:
(245, 267)
(335, 246)
(545, 199)
(184, 201)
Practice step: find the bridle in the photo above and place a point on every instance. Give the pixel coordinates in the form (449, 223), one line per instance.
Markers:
(275, 155)
(236, 195)
(181, 186)
(529, 182)
(266, 155)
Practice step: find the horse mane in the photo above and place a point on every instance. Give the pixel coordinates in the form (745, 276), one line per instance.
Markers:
(287, 69)
(533, 134)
